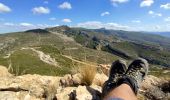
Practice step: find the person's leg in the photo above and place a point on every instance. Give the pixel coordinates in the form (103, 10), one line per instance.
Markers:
(123, 92)
(128, 85)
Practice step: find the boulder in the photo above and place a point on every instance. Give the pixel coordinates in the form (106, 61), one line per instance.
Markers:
(99, 79)
(151, 88)
(70, 80)
(34, 85)
(76, 79)
(85, 93)
(37, 87)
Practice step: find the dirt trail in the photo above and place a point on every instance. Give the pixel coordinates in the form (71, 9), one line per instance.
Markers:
(64, 37)
(49, 60)
(44, 57)
(69, 57)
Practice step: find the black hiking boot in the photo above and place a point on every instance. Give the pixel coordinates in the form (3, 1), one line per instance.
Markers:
(117, 69)
(135, 74)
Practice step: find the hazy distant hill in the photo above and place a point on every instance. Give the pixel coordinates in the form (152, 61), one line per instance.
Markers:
(58, 50)
(166, 34)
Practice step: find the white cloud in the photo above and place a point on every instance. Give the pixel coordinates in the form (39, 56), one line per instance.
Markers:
(165, 6)
(119, 1)
(65, 5)
(11, 27)
(136, 21)
(146, 3)
(44, 25)
(159, 14)
(52, 18)
(66, 20)
(90, 24)
(9, 24)
(151, 12)
(154, 14)
(97, 24)
(116, 26)
(105, 13)
(115, 2)
(4, 8)
(26, 24)
(167, 19)
(41, 10)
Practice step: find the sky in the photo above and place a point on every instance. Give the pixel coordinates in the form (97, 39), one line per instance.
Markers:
(130, 15)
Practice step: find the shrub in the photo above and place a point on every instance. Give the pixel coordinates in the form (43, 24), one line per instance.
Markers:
(88, 73)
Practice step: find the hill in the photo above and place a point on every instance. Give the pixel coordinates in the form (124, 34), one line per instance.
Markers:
(128, 45)
(31, 51)
(60, 50)
(165, 34)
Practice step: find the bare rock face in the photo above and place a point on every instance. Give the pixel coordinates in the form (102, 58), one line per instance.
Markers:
(64, 93)
(152, 88)
(70, 80)
(80, 93)
(99, 79)
(37, 87)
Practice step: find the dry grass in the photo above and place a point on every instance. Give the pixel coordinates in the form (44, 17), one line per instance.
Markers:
(50, 89)
(88, 73)
(140, 97)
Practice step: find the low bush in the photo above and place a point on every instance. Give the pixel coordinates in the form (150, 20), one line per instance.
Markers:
(88, 73)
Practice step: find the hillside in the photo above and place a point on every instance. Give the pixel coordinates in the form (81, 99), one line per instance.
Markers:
(17, 50)
(124, 44)
(60, 50)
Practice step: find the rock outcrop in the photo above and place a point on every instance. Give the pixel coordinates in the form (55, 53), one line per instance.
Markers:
(37, 87)
(152, 88)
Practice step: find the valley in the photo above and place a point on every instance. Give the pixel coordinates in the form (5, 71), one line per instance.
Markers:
(59, 50)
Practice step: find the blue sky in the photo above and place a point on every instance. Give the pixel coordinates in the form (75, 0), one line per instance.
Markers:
(132, 15)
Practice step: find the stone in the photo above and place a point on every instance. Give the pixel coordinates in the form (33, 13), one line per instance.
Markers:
(76, 78)
(35, 85)
(83, 93)
(69, 87)
(99, 79)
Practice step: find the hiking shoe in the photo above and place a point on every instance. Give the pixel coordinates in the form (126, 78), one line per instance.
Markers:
(135, 74)
(117, 69)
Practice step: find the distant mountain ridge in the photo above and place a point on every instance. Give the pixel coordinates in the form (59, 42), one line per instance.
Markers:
(125, 44)
(71, 47)
(166, 34)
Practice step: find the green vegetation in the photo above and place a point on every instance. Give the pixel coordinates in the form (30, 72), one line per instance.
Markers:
(97, 46)
(128, 45)
(27, 61)
(158, 71)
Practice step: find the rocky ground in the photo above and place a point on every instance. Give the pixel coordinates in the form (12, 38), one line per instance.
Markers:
(69, 87)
